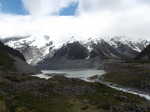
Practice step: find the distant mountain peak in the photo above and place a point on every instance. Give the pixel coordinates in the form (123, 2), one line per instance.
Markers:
(35, 49)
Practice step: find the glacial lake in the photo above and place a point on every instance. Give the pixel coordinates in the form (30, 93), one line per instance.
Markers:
(82, 74)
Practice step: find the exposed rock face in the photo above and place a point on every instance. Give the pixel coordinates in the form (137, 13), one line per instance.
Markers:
(72, 51)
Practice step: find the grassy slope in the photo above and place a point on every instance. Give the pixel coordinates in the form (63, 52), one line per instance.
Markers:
(3, 107)
(131, 74)
(103, 99)
(6, 62)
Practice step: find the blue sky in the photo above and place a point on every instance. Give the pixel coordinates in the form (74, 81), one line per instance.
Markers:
(70, 10)
(16, 7)
(12, 7)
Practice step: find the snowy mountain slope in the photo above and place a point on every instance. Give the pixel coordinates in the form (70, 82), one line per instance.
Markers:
(95, 51)
(137, 45)
(33, 48)
(117, 47)
(36, 49)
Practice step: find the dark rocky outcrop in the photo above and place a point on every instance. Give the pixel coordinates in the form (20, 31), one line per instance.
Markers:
(72, 51)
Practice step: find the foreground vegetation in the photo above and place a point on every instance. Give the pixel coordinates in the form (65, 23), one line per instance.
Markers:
(132, 74)
(22, 93)
(6, 62)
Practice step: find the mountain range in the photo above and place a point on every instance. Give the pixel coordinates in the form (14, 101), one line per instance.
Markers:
(75, 54)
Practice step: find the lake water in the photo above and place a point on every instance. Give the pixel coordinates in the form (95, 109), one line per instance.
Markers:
(82, 74)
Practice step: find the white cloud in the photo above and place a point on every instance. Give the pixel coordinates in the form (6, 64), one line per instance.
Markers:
(127, 17)
(99, 6)
(45, 7)
(60, 29)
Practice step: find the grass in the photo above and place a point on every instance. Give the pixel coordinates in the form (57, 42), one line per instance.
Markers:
(132, 75)
(138, 61)
(3, 107)
(6, 62)
(103, 99)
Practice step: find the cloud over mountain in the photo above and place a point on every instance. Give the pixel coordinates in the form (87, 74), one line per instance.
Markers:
(94, 18)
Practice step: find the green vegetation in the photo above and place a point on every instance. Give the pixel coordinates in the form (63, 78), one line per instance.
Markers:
(60, 94)
(3, 107)
(6, 62)
(138, 61)
(59, 103)
(132, 74)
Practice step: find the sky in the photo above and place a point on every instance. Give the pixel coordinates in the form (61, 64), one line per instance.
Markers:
(81, 19)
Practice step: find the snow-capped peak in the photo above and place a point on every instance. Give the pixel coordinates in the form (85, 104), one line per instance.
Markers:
(37, 47)
(34, 48)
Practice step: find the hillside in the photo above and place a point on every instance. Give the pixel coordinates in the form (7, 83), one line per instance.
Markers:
(13, 60)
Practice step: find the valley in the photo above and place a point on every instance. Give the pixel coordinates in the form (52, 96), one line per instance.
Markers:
(74, 56)
(76, 78)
